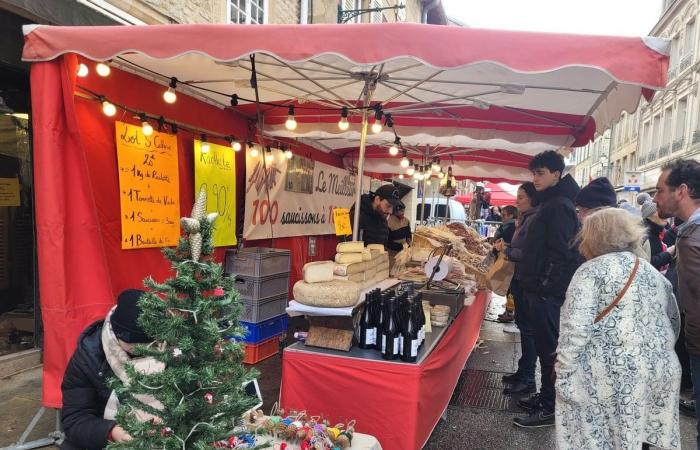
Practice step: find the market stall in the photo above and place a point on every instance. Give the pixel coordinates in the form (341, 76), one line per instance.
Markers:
(309, 91)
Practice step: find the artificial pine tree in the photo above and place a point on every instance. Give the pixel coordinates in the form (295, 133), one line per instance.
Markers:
(199, 393)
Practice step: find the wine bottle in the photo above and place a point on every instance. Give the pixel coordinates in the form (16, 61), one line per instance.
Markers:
(367, 338)
(390, 331)
(409, 333)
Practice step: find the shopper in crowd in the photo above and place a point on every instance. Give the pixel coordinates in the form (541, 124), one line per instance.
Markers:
(523, 380)
(599, 193)
(504, 234)
(661, 255)
(89, 406)
(494, 214)
(399, 230)
(618, 376)
(374, 209)
(678, 195)
(548, 263)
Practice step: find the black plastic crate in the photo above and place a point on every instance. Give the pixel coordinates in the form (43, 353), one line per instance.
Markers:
(258, 261)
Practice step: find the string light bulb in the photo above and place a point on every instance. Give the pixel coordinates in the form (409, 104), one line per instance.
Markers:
(103, 69)
(377, 125)
(411, 170)
(400, 176)
(146, 127)
(108, 109)
(436, 165)
(288, 153)
(343, 124)
(268, 155)
(253, 151)
(394, 149)
(428, 182)
(204, 146)
(404, 161)
(236, 146)
(441, 175)
(291, 122)
(83, 70)
(170, 96)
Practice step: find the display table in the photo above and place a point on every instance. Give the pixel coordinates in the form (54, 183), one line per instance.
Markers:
(399, 403)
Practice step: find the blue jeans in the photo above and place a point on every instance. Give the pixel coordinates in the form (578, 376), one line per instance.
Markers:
(695, 373)
(528, 358)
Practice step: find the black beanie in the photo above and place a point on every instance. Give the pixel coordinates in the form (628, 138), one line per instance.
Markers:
(125, 318)
(596, 194)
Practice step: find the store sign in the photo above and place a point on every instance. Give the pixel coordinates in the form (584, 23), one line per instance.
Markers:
(9, 192)
(215, 171)
(341, 220)
(294, 197)
(633, 181)
(149, 187)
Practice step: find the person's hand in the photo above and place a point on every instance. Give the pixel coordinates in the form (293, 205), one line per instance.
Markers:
(499, 245)
(119, 435)
(672, 250)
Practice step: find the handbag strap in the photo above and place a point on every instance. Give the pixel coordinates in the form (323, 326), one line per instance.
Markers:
(622, 293)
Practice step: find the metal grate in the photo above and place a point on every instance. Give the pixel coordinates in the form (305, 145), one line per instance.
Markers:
(480, 389)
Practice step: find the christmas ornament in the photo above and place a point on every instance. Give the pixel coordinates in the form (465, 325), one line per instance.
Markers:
(177, 352)
(165, 432)
(209, 398)
(192, 224)
(219, 292)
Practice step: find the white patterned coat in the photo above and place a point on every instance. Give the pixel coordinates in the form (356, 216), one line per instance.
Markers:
(618, 380)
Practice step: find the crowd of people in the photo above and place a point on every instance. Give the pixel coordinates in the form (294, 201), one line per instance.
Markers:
(605, 297)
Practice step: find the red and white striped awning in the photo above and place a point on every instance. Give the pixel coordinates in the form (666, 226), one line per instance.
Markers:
(489, 99)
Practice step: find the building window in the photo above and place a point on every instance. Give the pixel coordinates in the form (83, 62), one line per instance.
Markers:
(351, 5)
(655, 132)
(681, 116)
(690, 39)
(401, 13)
(247, 11)
(376, 17)
(668, 122)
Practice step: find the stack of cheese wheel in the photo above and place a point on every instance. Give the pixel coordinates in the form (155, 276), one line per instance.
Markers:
(320, 287)
(365, 266)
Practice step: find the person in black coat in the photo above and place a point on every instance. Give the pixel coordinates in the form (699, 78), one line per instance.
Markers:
(506, 230)
(661, 256)
(548, 264)
(84, 387)
(374, 209)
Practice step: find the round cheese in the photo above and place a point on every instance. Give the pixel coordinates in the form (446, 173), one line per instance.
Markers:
(331, 294)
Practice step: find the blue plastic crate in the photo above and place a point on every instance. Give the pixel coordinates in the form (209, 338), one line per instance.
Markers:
(258, 332)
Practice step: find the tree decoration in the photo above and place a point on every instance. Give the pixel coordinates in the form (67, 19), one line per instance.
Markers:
(189, 331)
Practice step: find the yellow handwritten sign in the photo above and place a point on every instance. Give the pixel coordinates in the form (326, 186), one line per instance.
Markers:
(9, 192)
(149, 187)
(341, 220)
(215, 170)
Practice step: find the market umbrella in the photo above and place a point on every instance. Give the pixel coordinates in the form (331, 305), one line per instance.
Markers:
(486, 99)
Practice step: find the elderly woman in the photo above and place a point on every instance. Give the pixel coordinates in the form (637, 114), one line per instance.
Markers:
(617, 374)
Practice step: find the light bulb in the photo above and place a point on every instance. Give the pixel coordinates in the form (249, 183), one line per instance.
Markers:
(108, 109)
(436, 167)
(377, 126)
(441, 175)
(170, 96)
(291, 123)
(410, 171)
(103, 69)
(236, 146)
(428, 182)
(417, 176)
(288, 154)
(83, 70)
(254, 152)
(343, 124)
(404, 162)
(400, 176)
(146, 128)
(268, 157)
(393, 150)
(204, 147)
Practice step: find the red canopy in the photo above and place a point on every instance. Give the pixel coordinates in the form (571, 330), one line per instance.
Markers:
(499, 196)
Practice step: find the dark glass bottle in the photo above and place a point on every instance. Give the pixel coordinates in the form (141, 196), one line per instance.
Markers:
(409, 334)
(390, 331)
(368, 336)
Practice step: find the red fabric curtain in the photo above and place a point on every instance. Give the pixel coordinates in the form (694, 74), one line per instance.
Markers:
(82, 267)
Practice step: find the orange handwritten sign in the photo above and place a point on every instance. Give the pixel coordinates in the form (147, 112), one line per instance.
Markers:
(149, 187)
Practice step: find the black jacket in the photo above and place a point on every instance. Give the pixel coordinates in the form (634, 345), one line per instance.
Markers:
(85, 393)
(659, 257)
(549, 256)
(505, 231)
(374, 229)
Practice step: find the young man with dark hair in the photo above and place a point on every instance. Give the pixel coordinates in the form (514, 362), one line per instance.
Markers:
(678, 195)
(548, 264)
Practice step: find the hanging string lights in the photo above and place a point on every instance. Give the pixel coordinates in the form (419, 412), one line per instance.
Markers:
(204, 146)
(253, 150)
(83, 70)
(170, 96)
(235, 145)
(291, 122)
(394, 149)
(268, 154)
(146, 127)
(103, 69)
(377, 124)
(411, 168)
(343, 124)
(108, 108)
(288, 153)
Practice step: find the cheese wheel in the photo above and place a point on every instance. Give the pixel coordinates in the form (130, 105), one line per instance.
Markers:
(372, 263)
(382, 266)
(360, 276)
(375, 253)
(318, 272)
(348, 258)
(381, 275)
(384, 257)
(349, 269)
(366, 255)
(378, 247)
(331, 294)
(369, 274)
(350, 247)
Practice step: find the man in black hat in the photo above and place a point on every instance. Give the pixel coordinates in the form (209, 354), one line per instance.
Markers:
(599, 193)
(374, 209)
(103, 348)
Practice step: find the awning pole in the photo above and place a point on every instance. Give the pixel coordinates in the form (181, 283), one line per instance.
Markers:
(368, 91)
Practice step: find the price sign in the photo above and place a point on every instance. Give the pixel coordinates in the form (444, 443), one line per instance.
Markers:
(341, 219)
(9, 192)
(149, 187)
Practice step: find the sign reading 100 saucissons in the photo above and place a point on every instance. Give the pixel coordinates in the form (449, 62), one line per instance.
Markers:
(149, 187)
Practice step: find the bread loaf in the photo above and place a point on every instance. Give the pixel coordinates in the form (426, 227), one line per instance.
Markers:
(350, 247)
(349, 269)
(359, 276)
(318, 272)
(331, 294)
(348, 258)
(378, 247)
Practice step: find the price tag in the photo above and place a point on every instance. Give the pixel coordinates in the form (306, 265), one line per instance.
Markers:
(341, 219)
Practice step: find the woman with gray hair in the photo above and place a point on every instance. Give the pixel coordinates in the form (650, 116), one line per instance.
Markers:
(617, 374)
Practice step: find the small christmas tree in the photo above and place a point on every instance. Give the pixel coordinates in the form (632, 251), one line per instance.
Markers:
(194, 400)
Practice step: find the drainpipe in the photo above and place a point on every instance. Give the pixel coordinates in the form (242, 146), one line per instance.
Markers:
(304, 12)
(427, 8)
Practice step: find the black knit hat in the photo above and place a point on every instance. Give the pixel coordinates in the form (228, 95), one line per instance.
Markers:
(125, 318)
(596, 194)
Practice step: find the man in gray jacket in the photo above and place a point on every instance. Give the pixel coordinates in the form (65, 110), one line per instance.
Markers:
(678, 195)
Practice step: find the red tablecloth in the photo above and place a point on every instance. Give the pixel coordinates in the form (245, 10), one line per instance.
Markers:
(400, 404)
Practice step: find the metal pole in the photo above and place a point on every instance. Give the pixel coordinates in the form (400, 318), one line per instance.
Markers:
(369, 89)
(422, 208)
